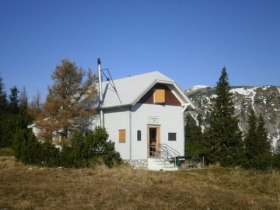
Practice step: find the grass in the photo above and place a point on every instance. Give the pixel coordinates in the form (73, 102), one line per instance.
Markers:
(7, 151)
(31, 187)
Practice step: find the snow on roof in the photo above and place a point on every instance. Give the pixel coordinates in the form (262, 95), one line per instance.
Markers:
(129, 90)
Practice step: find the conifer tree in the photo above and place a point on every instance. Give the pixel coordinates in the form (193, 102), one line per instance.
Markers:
(263, 140)
(69, 104)
(251, 136)
(3, 98)
(13, 114)
(23, 100)
(25, 117)
(3, 108)
(223, 134)
(193, 137)
(11, 118)
(257, 145)
(14, 100)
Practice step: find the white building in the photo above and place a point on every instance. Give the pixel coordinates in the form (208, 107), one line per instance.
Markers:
(144, 116)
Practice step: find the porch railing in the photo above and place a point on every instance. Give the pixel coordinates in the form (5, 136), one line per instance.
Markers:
(164, 152)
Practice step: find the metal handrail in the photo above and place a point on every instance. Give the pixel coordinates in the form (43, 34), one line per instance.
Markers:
(170, 149)
(164, 152)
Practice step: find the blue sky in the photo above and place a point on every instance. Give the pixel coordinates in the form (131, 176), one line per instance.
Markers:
(188, 40)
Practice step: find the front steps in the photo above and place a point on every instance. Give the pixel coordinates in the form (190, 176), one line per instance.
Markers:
(155, 164)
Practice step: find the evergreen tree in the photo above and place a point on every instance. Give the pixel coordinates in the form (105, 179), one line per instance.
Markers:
(23, 100)
(263, 140)
(10, 118)
(223, 134)
(14, 100)
(3, 98)
(14, 117)
(26, 119)
(257, 145)
(276, 156)
(251, 136)
(3, 108)
(193, 137)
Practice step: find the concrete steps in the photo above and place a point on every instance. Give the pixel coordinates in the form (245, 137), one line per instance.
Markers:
(155, 164)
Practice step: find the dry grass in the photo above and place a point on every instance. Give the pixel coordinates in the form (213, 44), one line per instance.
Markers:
(29, 187)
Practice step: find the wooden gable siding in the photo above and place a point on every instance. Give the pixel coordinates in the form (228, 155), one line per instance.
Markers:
(170, 98)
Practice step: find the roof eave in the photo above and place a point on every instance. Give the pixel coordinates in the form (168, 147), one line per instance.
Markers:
(121, 106)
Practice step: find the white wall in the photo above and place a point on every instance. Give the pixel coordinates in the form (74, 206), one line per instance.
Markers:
(113, 121)
(169, 118)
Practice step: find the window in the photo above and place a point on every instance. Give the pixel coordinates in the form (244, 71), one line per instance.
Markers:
(171, 136)
(159, 96)
(122, 136)
(138, 135)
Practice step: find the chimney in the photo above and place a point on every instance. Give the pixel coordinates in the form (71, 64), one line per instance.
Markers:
(100, 92)
(100, 80)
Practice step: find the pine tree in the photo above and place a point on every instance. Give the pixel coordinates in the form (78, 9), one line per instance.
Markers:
(276, 157)
(69, 103)
(3, 108)
(14, 100)
(25, 117)
(14, 117)
(257, 145)
(10, 118)
(263, 140)
(193, 137)
(223, 134)
(3, 98)
(251, 136)
(23, 100)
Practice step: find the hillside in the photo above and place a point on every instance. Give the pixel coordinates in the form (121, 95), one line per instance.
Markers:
(264, 100)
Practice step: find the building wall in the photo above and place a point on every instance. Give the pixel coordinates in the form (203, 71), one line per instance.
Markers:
(140, 117)
(114, 120)
(168, 118)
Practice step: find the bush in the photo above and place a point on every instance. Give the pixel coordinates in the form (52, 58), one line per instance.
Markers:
(260, 162)
(84, 150)
(276, 161)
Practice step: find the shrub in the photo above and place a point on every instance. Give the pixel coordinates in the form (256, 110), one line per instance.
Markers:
(84, 150)
(259, 162)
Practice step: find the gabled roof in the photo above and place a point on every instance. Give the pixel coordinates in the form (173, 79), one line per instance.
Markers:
(128, 91)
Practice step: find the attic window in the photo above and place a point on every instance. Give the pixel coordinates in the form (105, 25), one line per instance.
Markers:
(159, 96)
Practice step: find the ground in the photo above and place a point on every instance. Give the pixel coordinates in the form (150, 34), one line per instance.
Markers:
(32, 187)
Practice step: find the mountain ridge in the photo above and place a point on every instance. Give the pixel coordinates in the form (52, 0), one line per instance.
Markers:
(264, 100)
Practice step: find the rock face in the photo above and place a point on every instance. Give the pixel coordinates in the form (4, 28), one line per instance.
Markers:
(264, 100)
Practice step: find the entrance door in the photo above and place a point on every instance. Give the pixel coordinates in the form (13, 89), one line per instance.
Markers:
(153, 140)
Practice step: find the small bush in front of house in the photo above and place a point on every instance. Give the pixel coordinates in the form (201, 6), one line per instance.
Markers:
(84, 150)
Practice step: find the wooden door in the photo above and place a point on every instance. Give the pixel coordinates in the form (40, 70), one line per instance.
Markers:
(153, 140)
